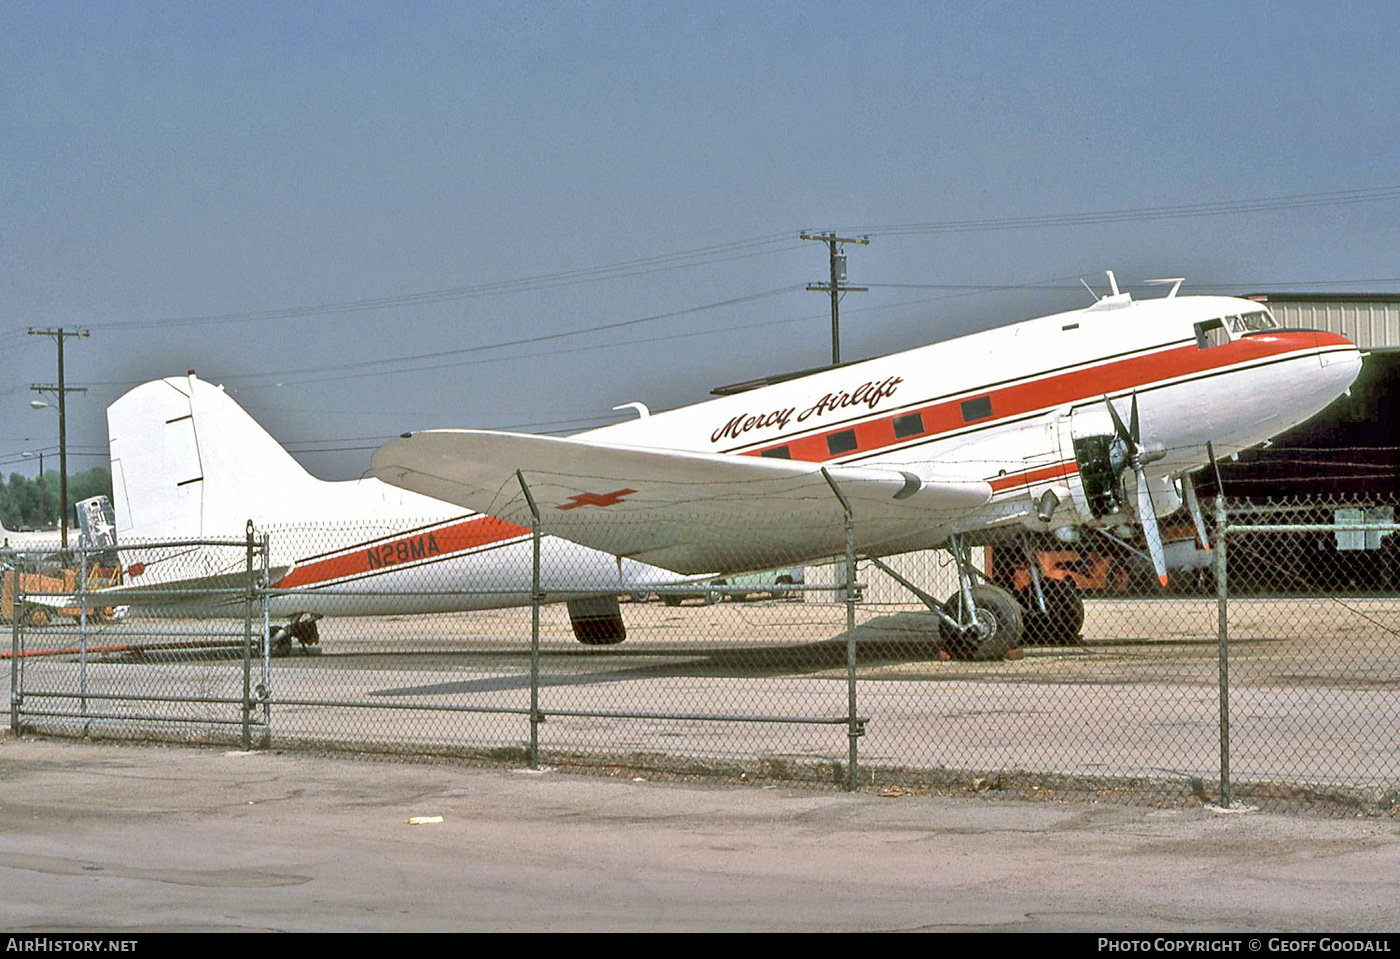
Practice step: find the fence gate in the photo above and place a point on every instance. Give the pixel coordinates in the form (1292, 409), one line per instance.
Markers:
(156, 639)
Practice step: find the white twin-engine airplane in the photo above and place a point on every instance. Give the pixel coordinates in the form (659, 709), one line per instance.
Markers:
(1091, 418)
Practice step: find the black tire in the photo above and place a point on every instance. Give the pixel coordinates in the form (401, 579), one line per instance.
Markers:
(670, 599)
(601, 633)
(1000, 625)
(1063, 619)
(597, 621)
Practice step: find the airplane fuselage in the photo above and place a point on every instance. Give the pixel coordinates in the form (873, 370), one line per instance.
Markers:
(1022, 409)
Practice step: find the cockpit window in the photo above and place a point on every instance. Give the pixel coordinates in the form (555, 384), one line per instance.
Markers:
(1216, 332)
(1252, 322)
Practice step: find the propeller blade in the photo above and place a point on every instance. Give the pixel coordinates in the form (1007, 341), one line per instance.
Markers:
(1133, 429)
(1148, 517)
(1188, 486)
(1118, 426)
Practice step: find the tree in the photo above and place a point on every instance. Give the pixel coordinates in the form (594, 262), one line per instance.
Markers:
(33, 503)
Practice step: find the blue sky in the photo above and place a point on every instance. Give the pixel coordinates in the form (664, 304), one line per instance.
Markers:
(286, 196)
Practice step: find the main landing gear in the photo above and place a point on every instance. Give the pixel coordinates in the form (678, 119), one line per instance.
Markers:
(994, 631)
(980, 621)
(597, 621)
(1054, 610)
(1058, 621)
(301, 629)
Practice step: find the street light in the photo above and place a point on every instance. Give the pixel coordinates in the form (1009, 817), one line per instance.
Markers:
(62, 449)
(39, 454)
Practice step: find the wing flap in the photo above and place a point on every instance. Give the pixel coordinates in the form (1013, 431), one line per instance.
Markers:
(686, 511)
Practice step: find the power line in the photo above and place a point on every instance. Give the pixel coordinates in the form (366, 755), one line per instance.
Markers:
(523, 341)
(761, 246)
(1140, 214)
(704, 256)
(370, 368)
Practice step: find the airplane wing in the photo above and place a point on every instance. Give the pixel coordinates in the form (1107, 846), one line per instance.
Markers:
(685, 511)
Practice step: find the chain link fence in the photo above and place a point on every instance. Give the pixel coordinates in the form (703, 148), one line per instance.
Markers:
(1265, 675)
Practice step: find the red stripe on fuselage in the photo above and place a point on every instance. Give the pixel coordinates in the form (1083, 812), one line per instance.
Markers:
(1047, 392)
(382, 556)
(1027, 477)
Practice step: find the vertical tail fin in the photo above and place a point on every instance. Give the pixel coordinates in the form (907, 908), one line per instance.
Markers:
(188, 461)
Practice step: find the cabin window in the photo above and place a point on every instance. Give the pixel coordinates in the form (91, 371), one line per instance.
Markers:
(911, 424)
(1211, 333)
(978, 409)
(778, 453)
(842, 442)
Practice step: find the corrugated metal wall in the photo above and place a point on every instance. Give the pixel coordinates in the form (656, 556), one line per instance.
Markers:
(931, 570)
(1369, 323)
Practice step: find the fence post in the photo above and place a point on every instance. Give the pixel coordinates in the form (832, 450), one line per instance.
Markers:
(82, 630)
(853, 724)
(264, 638)
(1222, 594)
(248, 637)
(16, 661)
(536, 597)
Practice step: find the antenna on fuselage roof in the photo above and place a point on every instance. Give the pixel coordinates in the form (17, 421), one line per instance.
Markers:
(1111, 301)
(1175, 281)
(1112, 285)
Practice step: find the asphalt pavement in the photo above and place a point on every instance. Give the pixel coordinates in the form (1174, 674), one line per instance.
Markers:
(123, 839)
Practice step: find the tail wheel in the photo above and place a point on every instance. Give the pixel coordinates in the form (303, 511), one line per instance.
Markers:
(998, 630)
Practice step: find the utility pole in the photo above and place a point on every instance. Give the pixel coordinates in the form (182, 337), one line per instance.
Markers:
(62, 390)
(837, 285)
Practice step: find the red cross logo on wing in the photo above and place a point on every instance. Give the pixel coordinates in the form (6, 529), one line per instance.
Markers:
(597, 499)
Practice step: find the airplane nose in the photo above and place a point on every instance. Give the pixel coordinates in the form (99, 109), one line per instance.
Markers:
(1341, 366)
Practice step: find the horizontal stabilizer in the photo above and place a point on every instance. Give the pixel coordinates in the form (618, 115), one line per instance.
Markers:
(685, 511)
(201, 591)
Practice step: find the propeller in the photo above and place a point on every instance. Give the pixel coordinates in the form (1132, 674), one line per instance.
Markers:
(1135, 457)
